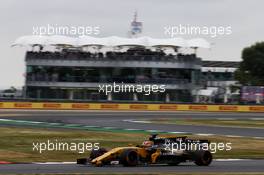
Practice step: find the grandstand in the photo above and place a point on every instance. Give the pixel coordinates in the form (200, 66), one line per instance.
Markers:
(66, 68)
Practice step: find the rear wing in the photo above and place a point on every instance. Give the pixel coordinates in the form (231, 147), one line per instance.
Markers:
(182, 139)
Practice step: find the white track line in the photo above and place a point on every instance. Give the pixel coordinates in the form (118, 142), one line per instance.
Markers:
(234, 136)
(136, 121)
(202, 134)
(226, 160)
(255, 118)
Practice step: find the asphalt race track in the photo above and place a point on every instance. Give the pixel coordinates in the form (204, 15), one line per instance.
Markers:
(123, 120)
(216, 166)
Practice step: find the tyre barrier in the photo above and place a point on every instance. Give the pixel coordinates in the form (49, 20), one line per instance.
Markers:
(130, 106)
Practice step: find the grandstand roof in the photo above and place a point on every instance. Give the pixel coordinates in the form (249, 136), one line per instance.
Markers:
(109, 41)
(227, 64)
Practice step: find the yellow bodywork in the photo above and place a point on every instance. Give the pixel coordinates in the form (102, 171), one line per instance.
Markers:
(115, 152)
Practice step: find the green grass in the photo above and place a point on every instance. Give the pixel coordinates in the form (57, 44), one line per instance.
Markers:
(243, 123)
(177, 173)
(16, 143)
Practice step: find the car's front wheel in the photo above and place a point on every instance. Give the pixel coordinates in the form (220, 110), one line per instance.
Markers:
(129, 158)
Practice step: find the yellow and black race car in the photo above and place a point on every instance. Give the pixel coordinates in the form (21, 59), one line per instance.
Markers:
(156, 150)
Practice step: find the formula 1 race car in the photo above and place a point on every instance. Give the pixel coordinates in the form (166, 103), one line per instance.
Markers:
(156, 150)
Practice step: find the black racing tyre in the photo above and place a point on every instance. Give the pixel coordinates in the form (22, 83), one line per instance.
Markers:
(203, 158)
(96, 153)
(129, 158)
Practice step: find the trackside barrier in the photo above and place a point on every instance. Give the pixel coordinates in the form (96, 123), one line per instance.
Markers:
(127, 106)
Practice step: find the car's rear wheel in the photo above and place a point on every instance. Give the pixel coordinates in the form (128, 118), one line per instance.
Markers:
(129, 158)
(203, 158)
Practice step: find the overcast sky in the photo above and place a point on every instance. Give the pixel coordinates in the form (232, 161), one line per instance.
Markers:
(18, 17)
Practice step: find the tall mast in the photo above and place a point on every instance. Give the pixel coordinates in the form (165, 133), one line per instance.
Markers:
(135, 27)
